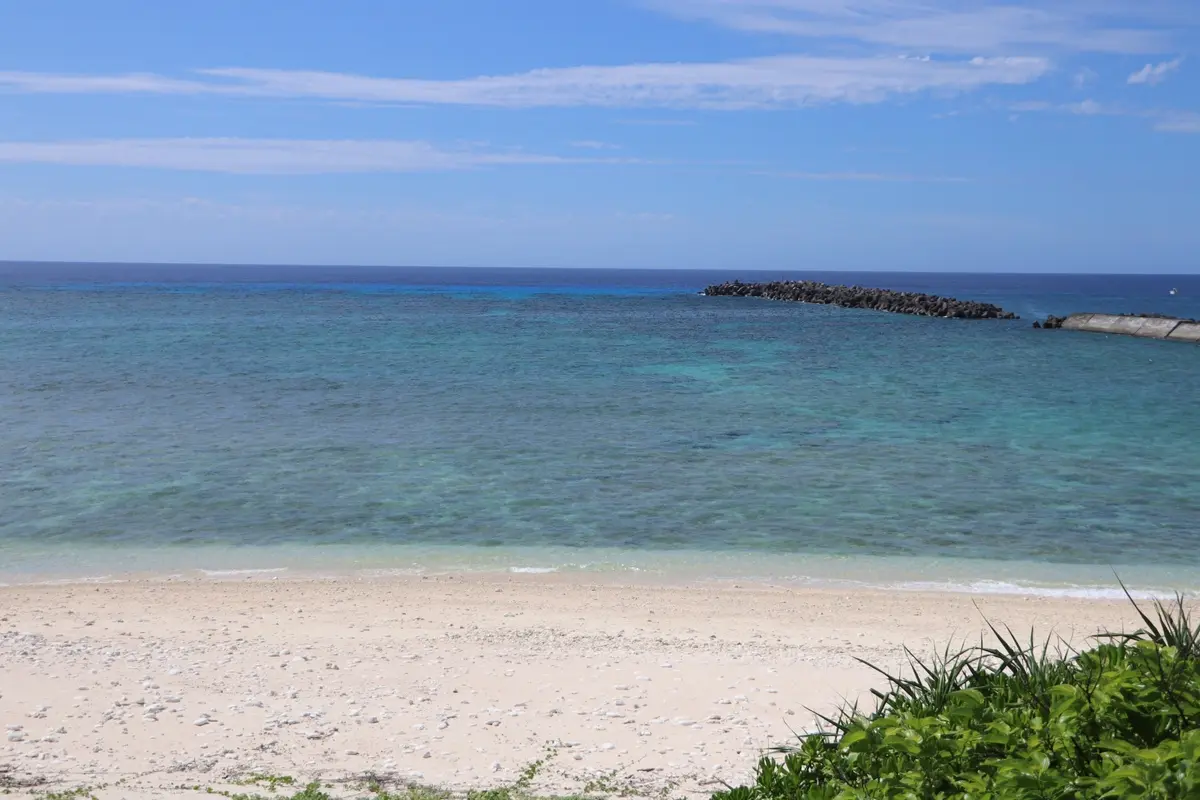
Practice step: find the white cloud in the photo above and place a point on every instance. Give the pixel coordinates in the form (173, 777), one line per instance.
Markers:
(869, 177)
(761, 83)
(270, 156)
(1084, 108)
(1083, 77)
(1088, 108)
(1166, 120)
(658, 123)
(593, 144)
(133, 83)
(1154, 74)
(1179, 122)
(1110, 26)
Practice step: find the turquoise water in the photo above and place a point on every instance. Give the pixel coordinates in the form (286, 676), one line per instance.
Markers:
(619, 423)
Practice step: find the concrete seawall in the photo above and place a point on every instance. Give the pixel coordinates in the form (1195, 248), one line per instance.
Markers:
(1166, 328)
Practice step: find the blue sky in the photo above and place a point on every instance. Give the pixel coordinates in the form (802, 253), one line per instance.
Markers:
(1061, 135)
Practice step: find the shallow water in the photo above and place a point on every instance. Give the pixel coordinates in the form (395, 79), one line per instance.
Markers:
(615, 413)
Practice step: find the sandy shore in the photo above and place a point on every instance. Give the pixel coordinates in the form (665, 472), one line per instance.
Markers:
(455, 681)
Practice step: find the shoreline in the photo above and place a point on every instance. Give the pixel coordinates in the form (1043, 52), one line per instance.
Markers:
(94, 565)
(982, 588)
(458, 681)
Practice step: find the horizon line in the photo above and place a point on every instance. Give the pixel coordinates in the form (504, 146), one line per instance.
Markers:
(331, 266)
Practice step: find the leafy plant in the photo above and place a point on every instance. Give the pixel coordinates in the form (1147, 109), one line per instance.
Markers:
(1015, 720)
(1171, 626)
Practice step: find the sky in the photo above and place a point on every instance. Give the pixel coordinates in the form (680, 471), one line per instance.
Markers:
(957, 135)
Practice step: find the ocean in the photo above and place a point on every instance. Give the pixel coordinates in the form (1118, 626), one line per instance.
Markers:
(221, 421)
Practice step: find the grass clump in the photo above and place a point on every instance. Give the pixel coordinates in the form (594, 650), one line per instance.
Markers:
(271, 782)
(310, 791)
(411, 793)
(1015, 720)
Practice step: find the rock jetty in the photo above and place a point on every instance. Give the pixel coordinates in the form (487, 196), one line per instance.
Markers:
(1146, 326)
(923, 305)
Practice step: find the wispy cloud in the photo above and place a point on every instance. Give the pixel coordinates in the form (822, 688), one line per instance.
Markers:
(133, 83)
(1090, 108)
(1083, 77)
(658, 123)
(272, 156)
(1154, 74)
(594, 144)
(761, 83)
(1165, 120)
(984, 26)
(1113, 26)
(1086, 108)
(1179, 122)
(868, 177)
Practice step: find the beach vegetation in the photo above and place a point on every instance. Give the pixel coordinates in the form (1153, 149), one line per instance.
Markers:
(70, 794)
(311, 791)
(270, 782)
(1014, 719)
(10, 779)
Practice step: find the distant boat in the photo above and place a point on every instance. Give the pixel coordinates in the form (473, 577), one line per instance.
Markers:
(1174, 291)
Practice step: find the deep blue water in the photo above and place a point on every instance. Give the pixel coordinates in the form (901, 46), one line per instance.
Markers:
(201, 406)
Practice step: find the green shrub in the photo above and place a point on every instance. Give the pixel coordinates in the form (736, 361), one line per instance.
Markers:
(1121, 720)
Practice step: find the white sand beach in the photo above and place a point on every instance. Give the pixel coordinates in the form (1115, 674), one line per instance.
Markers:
(458, 681)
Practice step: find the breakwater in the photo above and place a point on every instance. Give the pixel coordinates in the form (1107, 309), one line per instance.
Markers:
(1146, 326)
(916, 303)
